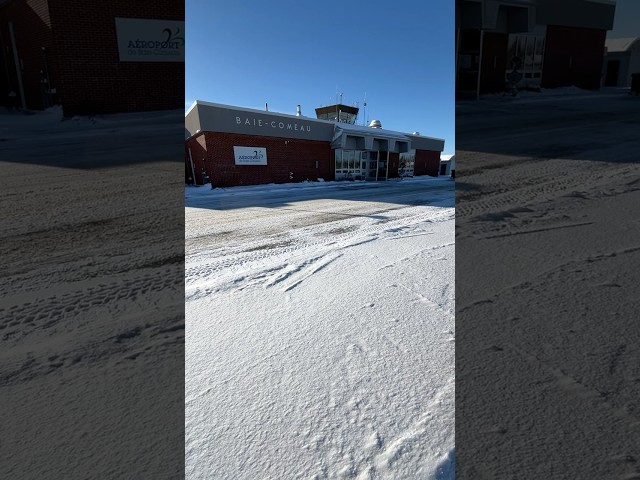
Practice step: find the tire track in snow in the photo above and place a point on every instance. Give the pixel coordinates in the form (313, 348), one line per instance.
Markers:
(257, 261)
(311, 272)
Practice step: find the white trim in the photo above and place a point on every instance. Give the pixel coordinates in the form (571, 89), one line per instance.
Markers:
(253, 110)
(193, 105)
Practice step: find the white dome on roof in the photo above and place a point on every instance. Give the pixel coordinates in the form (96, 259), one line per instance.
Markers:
(375, 124)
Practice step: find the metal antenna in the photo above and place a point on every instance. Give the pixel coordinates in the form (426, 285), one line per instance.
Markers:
(364, 113)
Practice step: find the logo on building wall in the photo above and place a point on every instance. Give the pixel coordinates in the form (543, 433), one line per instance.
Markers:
(250, 155)
(141, 40)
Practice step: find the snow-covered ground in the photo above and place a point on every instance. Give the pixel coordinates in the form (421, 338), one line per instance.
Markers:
(547, 255)
(320, 330)
(91, 315)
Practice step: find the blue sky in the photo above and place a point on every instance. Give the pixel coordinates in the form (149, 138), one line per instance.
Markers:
(625, 21)
(401, 54)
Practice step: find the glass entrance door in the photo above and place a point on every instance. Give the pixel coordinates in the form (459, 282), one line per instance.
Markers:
(383, 162)
(361, 165)
(372, 166)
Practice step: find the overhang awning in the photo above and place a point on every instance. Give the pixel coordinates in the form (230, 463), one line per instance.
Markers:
(354, 137)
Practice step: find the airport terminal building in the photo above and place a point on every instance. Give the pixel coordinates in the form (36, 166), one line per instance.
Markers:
(530, 44)
(229, 146)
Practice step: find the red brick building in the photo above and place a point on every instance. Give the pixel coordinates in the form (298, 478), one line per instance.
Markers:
(92, 56)
(227, 146)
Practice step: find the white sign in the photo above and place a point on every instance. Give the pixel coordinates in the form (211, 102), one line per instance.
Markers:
(250, 155)
(142, 40)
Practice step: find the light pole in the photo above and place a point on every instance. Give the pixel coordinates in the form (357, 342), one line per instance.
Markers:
(47, 92)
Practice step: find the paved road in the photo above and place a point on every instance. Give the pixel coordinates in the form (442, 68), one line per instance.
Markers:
(241, 214)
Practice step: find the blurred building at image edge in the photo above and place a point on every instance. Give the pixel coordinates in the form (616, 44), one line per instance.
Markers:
(556, 44)
(623, 60)
(230, 146)
(92, 57)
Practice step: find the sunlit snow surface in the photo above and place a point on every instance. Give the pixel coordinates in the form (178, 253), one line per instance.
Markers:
(320, 330)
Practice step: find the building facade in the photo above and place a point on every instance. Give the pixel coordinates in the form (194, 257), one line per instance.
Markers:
(228, 146)
(92, 56)
(515, 44)
(622, 60)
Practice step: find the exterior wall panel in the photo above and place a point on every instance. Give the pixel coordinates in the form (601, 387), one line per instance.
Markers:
(92, 79)
(82, 59)
(394, 163)
(32, 31)
(573, 56)
(494, 62)
(427, 163)
(288, 160)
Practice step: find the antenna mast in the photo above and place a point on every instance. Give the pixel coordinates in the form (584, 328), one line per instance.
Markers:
(364, 113)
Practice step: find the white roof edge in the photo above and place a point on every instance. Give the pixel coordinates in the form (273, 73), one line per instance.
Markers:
(286, 115)
(191, 108)
(424, 136)
(363, 129)
(254, 110)
(623, 44)
(371, 131)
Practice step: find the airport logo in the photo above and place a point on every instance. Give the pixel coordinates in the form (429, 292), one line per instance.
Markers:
(141, 40)
(250, 155)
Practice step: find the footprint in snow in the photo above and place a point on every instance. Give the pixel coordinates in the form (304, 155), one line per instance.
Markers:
(373, 442)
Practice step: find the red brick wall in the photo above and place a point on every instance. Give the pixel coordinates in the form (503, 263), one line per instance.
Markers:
(32, 31)
(214, 152)
(573, 56)
(91, 78)
(427, 163)
(197, 147)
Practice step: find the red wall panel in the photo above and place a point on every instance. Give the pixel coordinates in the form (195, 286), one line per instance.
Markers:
(427, 163)
(288, 160)
(573, 56)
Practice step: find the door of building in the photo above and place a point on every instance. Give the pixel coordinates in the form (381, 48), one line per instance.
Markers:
(383, 165)
(494, 62)
(372, 166)
(613, 70)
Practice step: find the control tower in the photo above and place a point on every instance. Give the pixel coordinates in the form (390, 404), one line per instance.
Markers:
(338, 113)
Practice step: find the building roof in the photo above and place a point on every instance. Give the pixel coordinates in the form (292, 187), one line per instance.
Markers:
(215, 117)
(621, 44)
(349, 128)
(338, 106)
(510, 16)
